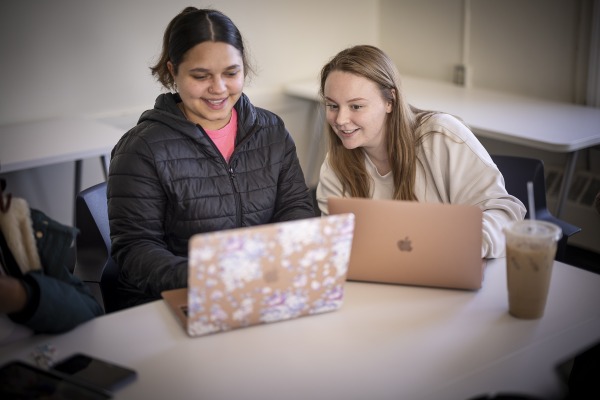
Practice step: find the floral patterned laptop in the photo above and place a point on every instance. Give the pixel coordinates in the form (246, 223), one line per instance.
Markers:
(248, 276)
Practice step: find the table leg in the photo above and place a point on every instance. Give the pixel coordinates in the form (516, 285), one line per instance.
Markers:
(566, 181)
(104, 162)
(78, 163)
(77, 186)
(312, 169)
(77, 177)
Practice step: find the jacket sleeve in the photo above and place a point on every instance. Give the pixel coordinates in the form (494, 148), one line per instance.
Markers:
(137, 205)
(293, 198)
(56, 305)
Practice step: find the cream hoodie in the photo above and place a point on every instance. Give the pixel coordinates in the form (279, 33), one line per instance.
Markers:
(453, 168)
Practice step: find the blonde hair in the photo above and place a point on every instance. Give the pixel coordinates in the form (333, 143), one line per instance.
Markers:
(401, 125)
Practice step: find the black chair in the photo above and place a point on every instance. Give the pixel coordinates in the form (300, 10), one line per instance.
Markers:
(94, 265)
(517, 171)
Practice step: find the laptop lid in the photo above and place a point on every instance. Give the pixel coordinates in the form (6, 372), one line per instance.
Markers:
(254, 275)
(405, 242)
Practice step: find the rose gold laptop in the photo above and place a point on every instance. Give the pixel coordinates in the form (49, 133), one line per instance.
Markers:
(255, 275)
(414, 243)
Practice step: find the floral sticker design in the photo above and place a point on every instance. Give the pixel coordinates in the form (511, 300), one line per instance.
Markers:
(270, 273)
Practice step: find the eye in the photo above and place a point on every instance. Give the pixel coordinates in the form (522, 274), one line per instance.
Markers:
(356, 107)
(331, 106)
(199, 77)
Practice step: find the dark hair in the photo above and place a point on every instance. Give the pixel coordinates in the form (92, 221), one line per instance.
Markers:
(190, 27)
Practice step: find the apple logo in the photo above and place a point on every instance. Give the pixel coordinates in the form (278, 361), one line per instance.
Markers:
(405, 244)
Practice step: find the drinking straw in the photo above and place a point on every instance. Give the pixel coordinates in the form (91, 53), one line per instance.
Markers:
(530, 200)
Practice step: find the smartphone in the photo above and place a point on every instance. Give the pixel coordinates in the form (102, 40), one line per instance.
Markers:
(19, 380)
(94, 371)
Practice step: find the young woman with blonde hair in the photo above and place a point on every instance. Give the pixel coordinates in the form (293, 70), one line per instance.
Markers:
(382, 147)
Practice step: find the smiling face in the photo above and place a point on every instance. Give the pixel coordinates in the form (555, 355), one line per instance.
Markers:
(356, 111)
(210, 80)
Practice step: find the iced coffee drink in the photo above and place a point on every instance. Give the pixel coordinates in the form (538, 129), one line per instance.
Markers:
(530, 252)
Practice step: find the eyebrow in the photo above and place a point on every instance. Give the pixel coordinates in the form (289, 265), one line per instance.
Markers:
(199, 69)
(349, 101)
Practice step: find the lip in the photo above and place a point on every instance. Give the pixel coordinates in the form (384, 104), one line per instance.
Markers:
(215, 104)
(347, 132)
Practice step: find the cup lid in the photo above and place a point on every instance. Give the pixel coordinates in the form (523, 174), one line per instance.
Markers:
(538, 228)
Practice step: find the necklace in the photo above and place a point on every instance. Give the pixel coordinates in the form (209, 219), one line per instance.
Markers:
(381, 166)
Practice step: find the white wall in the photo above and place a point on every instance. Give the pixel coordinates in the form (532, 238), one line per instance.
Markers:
(92, 58)
(530, 47)
(536, 48)
(65, 57)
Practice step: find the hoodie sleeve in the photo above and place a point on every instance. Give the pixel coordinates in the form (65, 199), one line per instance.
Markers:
(457, 169)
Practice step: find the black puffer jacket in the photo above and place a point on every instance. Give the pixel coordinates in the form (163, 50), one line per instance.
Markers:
(168, 181)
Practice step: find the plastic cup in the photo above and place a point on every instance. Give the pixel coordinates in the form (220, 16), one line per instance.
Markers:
(530, 252)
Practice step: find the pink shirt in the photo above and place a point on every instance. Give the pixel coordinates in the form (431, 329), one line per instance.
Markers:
(224, 138)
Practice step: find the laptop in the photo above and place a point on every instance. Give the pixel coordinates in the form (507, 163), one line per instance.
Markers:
(412, 243)
(254, 275)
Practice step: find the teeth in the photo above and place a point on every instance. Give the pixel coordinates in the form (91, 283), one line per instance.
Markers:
(215, 102)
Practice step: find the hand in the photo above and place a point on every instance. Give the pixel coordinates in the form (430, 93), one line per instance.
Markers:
(13, 297)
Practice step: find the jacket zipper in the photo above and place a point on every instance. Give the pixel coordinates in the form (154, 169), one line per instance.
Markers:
(236, 194)
(233, 179)
(231, 173)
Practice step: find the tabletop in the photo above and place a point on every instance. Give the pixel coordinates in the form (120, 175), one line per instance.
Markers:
(529, 121)
(386, 342)
(51, 141)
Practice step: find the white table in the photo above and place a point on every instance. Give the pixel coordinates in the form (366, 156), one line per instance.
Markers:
(541, 124)
(386, 342)
(52, 141)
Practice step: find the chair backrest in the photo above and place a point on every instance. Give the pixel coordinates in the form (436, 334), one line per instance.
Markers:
(517, 171)
(94, 263)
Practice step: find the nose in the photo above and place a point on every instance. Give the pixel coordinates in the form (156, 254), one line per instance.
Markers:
(341, 116)
(217, 85)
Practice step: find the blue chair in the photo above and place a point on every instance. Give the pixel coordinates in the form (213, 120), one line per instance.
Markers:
(94, 264)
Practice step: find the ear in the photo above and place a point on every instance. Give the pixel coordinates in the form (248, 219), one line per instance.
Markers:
(390, 103)
(171, 68)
